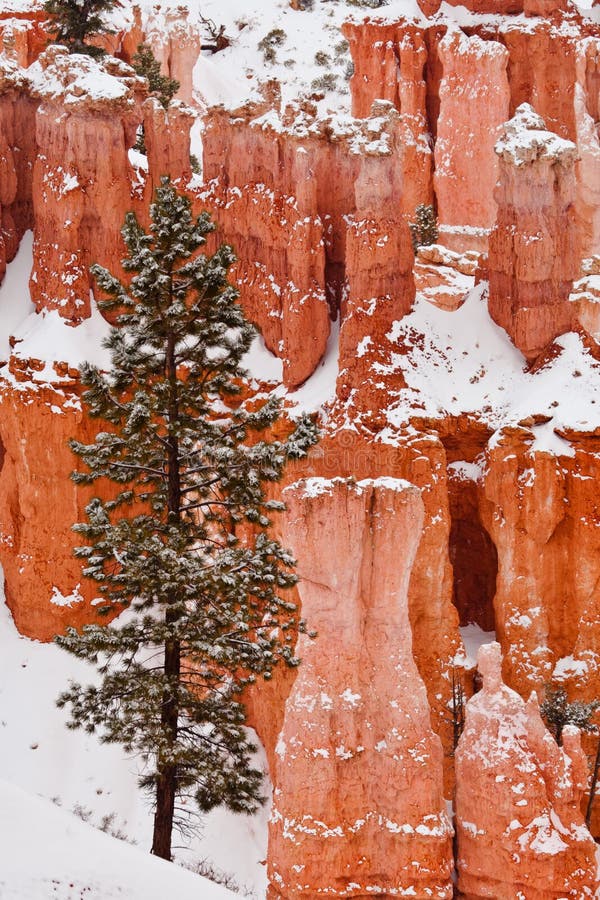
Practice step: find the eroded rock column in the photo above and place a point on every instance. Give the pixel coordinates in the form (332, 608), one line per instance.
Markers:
(83, 182)
(520, 830)
(534, 254)
(542, 511)
(474, 102)
(17, 152)
(358, 806)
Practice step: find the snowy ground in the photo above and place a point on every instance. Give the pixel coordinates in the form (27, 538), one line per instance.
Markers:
(48, 853)
(73, 771)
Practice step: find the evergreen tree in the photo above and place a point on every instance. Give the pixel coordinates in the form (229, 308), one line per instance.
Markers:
(73, 21)
(424, 229)
(146, 64)
(557, 712)
(184, 545)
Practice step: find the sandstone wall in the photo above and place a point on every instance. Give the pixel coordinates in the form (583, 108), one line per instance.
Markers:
(44, 587)
(542, 513)
(457, 86)
(82, 178)
(474, 102)
(17, 153)
(520, 831)
(534, 248)
(357, 720)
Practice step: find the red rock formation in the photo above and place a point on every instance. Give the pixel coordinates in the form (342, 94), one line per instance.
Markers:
(587, 166)
(474, 102)
(280, 272)
(376, 76)
(17, 152)
(353, 452)
(298, 153)
(82, 180)
(307, 168)
(500, 7)
(519, 826)
(176, 43)
(380, 283)
(550, 89)
(541, 510)
(38, 505)
(23, 36)
(389, 63)
(389, 58)
(544, 7)
(167, 139)
(534, 254)
(443, 277)
(361, 720)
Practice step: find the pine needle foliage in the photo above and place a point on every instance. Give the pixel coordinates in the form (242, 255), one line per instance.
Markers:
(184, 545)
(557, 712)
(146, 64)
(424, 229)
(74, 21)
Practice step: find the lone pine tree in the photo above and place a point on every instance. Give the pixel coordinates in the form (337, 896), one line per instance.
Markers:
(146, 64)
(184, 544)
(164, 88)
(73, 21)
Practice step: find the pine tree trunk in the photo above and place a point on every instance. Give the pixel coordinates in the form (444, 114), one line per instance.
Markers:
(166, 786)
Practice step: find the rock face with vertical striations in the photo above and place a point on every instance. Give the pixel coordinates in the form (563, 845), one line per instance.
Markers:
(474, 103)
(456, 479)
(541, 509)
(520, 829)
(83, 182)
(534, 248)
(17, 153)
(357, 717)
(45, 590)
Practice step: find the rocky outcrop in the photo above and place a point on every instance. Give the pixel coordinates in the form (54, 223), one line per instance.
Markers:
(23, 35)
(389, 63)
(44, 586)
(17, 153)
(374, 46)
(520, 830)
(320, 177)
(357, 721)
(176, 42)
(474, 102)
(355, 452)
(456, 86)
(587, 167)
(534, 250)
(83, 181)
(541, 510)
(167, 156)
(445, 277)
(380, 283)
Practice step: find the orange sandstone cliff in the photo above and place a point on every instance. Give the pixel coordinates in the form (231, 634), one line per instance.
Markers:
(453, 495)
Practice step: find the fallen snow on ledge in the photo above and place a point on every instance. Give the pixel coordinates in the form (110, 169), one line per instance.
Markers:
(462, 362)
